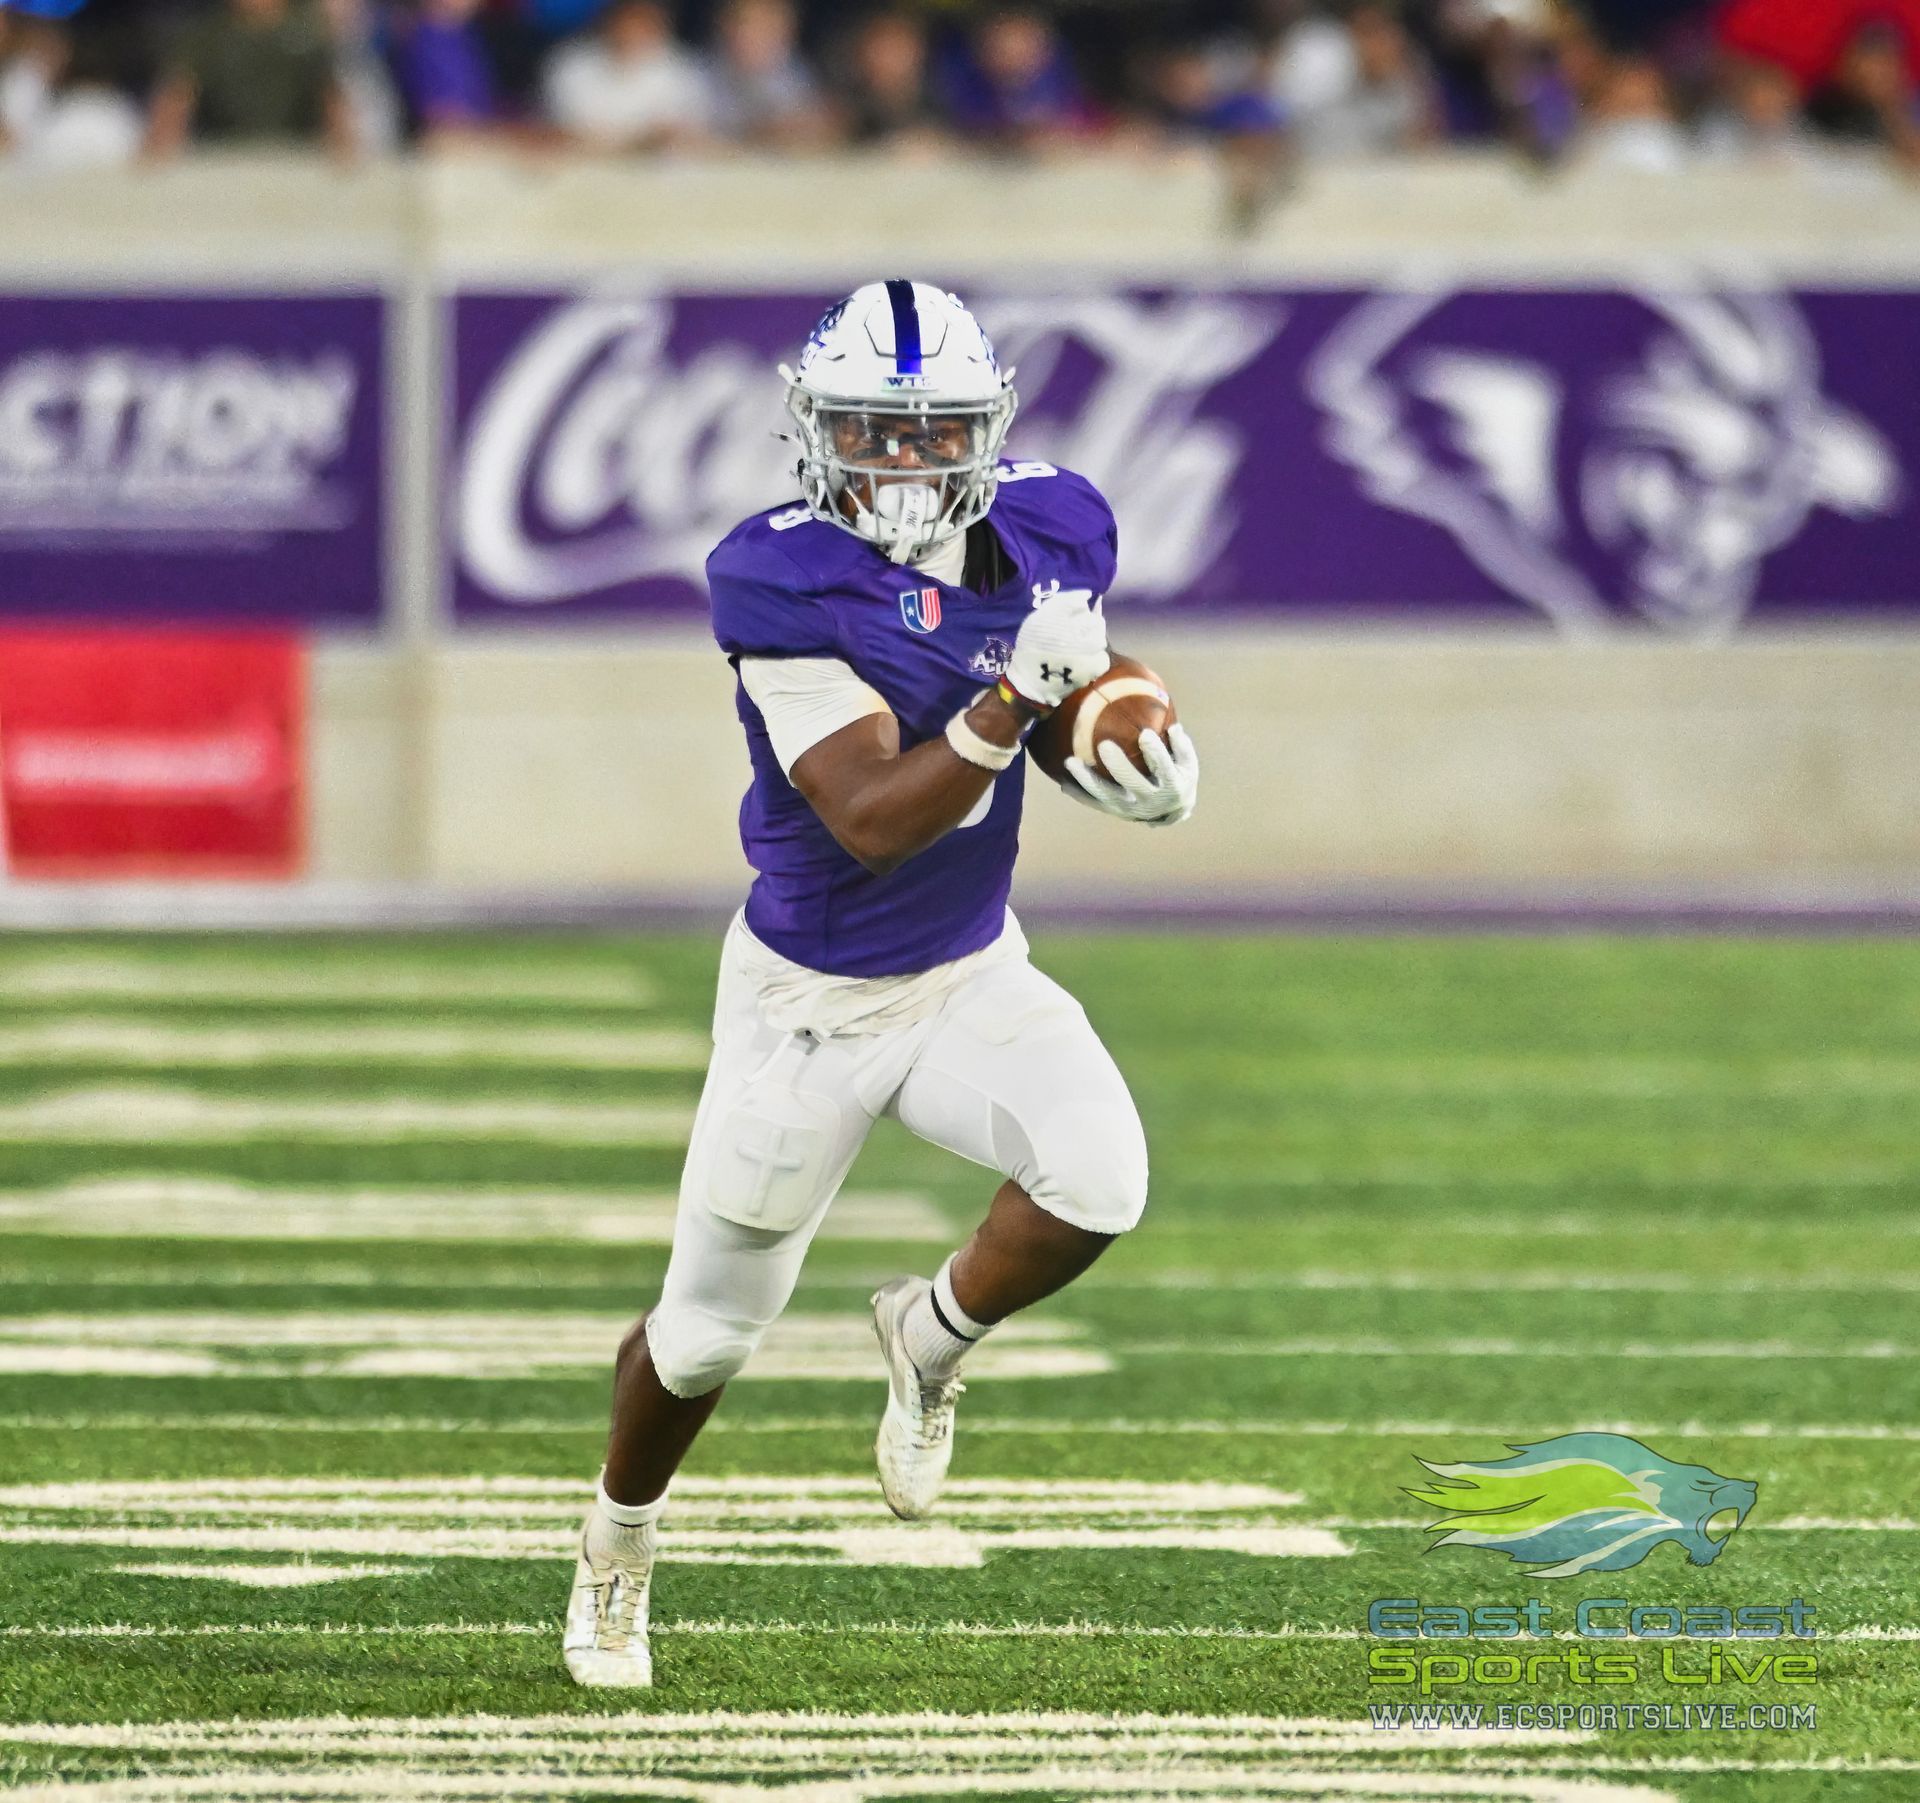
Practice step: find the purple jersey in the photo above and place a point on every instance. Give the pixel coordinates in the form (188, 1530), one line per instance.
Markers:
(785, 584)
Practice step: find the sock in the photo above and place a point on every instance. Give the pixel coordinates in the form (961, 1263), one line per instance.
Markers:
(938, 1332)
(621, 1532)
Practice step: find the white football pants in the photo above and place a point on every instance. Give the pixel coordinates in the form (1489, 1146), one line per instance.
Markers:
(1008, 1073)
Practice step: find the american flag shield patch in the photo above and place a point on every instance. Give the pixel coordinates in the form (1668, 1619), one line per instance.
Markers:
(920, 608)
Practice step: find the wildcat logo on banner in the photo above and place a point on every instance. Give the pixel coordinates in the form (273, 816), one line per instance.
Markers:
(1656, 482)
(1590, 459)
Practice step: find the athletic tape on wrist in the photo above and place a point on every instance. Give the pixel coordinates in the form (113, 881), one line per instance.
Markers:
(969, 745)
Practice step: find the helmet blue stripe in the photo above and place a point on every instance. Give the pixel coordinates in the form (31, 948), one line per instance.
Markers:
(906, 328)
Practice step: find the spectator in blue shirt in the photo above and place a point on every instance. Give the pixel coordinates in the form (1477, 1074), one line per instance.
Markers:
(559, 18)
(446, 74)
(1194, 96)
(1013, 84)
(1203, 97)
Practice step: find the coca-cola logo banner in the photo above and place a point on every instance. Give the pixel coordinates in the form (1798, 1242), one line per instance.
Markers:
(192, 457)
(1673, 459)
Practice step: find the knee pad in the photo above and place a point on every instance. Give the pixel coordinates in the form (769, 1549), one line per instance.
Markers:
(1089, 1168)
(695, 1351)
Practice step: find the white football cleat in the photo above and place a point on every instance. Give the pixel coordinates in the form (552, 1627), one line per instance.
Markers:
(606, 1637)
(915, 1443)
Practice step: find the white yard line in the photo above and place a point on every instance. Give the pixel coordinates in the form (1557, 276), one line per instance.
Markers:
(153, 1044)
(798, 1736)
(875, 1545)
(1613, 1079)
(466, 1344)
(506, 1343)
(1820, 1524)
(142, 1115)
(1718, 1228)
(1050, 1428)
(733, 1521)
(1847, 1763)
(1786, 1524)
(724, 1629)
(265, 1577)
(816, 1758)
(962, 1630)
(445, 1495)
(219, 1630)
(170, 1207)
(1368, 1346)
(1188, 1779)
(471, 1216)
(1417, 1174)
(1499, 1282)
(364, 979)
(1504, 1433)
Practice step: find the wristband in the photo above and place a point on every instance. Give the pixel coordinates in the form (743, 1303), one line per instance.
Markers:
(1013, 698)
(968, 745)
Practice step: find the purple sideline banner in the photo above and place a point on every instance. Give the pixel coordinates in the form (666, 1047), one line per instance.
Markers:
(1669, 460)
(192, 457)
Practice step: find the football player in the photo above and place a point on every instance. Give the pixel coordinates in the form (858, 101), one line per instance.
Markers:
(895, 636)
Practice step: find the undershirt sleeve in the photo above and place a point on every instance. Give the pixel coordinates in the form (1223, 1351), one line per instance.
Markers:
(806, 699)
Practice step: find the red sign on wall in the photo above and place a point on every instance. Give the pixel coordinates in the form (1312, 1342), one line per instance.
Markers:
(152, 754)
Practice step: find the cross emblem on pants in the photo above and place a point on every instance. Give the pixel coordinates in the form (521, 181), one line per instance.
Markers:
(770, 1158)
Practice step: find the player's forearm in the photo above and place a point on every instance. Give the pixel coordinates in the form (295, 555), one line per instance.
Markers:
(907, 803)
(170, 117)
(342, 133)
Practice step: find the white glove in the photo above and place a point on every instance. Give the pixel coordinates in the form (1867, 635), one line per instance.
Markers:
(1164, 798)
(1061, 646)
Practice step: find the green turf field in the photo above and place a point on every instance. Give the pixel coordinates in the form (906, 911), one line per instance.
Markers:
(313, 1254)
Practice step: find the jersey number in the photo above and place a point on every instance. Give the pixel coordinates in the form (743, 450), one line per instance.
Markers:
(1021, 472)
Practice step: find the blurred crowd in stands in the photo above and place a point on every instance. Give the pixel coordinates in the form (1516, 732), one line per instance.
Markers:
(1652, 85)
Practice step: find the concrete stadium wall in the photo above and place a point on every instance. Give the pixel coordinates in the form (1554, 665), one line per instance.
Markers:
(1488, 760)
(1483, 763)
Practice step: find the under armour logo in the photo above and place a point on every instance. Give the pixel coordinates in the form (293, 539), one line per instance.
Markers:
(1065, 673)
(1043, 592)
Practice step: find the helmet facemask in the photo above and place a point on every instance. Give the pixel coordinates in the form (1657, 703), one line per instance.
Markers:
(906, 473)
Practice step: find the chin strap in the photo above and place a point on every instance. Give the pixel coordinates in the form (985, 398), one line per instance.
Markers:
(900, 551)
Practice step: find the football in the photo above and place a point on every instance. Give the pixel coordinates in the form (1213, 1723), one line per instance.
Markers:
(1125, 702)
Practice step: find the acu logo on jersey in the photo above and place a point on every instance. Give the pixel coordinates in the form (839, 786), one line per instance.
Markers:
(992, 658)
(920, 608)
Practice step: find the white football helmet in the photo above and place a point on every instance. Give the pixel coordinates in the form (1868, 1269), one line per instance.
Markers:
(902, 410)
